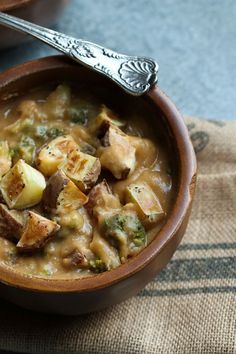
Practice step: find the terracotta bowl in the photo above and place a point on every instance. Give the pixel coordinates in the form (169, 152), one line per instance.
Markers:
(42, 12)
(95, 293)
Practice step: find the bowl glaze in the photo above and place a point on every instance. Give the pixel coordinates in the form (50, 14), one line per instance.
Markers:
(79, 296)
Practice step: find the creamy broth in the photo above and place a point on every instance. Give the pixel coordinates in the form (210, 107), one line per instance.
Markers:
(103, 183)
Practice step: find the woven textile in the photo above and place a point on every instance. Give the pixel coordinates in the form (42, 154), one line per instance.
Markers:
(191, 305)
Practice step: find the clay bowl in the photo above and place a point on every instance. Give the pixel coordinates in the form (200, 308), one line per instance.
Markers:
(42, 12)
(95, 293)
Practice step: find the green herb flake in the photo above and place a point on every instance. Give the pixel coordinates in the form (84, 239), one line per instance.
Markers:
(25, 149)
(40, 131)
(78, 115)
(54, 132)
(97, 266)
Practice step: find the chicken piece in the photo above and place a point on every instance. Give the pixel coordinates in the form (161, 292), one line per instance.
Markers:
(104, 120)
(102, 200)
(104, 251)
(126, 231)
(117, 154)
(58, 102)
(28, 111)
(146, 151)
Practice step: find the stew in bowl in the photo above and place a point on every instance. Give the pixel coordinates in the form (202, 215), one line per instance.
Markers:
(83, 188)
(96, 187)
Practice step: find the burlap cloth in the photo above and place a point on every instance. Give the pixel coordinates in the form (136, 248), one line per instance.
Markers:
(190, 307)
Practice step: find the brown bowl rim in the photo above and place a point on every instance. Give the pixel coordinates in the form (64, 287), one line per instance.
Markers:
(8, 5)
(187, 180)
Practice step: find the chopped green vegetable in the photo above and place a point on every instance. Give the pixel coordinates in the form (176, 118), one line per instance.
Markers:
(54, 132)
(26, 149)
(103, 250)
(40, 131)
(78, 115)
(43, 133)
(125, 228)
(13, 152)
(116, 222)
(97, 266)
(140, 236)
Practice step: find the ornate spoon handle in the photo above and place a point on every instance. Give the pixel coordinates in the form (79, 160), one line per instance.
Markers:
(134, 74)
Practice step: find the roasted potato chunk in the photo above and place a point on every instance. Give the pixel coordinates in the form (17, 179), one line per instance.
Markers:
(5, 158)
(82, 169)
(22, 186)
(51, 155)
(61, 195)
(37, 232)
(11, 223)
(117, 154)
(148, 205)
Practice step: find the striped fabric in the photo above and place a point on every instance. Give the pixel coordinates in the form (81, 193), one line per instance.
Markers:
(191, 305)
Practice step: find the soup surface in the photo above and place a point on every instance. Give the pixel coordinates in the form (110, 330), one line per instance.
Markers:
(83, 187)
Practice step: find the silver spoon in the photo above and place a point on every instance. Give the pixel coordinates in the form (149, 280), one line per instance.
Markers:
(134, 74)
